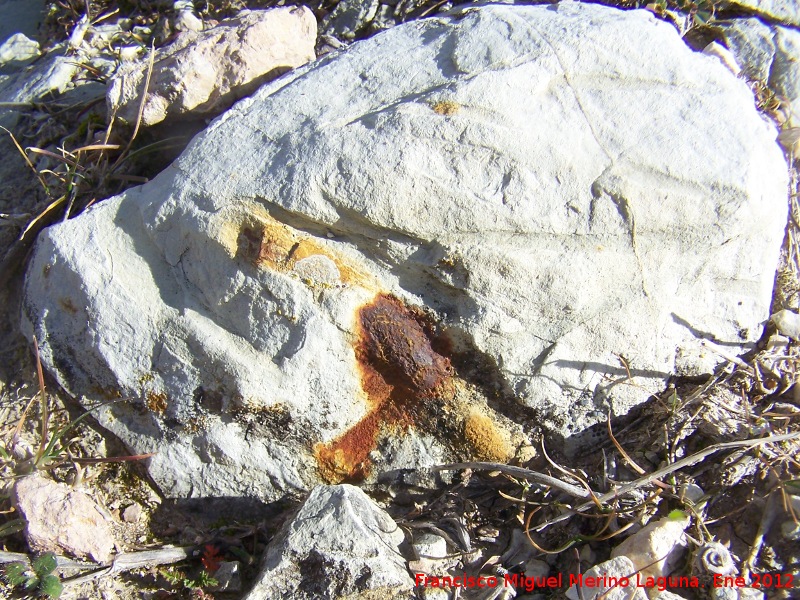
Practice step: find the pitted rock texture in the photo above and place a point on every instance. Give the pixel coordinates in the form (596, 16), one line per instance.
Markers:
(203, 73)
(561, 189)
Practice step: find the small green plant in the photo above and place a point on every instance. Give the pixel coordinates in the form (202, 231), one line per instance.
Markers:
(178, 579)
(37, 578)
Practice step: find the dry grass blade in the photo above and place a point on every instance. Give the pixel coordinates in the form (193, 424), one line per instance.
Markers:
(764, 525)
(626, 457)
(122, 562)
(568, 473)
(20, 424)
(112, 459)
(728, 356)
(42, 220)
(141, 107)
(27, 160)
(97, 147)
(71, 162)
(42, 401)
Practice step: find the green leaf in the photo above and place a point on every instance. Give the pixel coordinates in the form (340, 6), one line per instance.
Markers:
(676, 515)
(242, 554)
(15, 573)
(45, 564)
(51, 586)
(793, 486)
(13, 526)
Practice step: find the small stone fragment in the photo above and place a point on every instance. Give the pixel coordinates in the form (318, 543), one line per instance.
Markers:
(185, 19)
(430, 545)
(788, 323)
(350, 17)
(656, 548)
(228, 576)
(736, 593)
(61, 519)
(791, 528)
(19, 50)
(612, 571)
(132, 513)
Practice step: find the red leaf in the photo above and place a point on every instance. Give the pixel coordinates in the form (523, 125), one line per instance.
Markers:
(211, 558)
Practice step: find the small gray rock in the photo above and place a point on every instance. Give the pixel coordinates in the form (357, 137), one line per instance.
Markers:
(59, 518)
(132, 513)
(769, 54)
(349, 18)
(18, 50)
(610, 570)
(339, 543)
(228, 576)
(752, 43)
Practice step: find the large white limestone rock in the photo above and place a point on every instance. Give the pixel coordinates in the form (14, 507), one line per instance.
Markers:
(562, 188)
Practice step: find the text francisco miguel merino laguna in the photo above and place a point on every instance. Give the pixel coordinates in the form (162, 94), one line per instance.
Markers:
(556, 581)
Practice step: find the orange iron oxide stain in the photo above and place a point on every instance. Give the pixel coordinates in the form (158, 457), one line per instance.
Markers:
(399, 371)
(269, 244)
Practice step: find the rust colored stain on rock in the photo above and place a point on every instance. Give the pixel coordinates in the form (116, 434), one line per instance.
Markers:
(259, 247)
(399, 370)
(396, 344)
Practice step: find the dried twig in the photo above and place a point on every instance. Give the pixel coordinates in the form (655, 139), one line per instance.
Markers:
(627, 458)
(572, 490)
(122, 562)
(141, 108)
(671, 468)
(767, 517)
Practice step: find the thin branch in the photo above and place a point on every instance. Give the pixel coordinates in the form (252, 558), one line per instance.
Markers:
(671, 468)
(572, 490)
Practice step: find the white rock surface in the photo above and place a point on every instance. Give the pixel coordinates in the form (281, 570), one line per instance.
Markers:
(787, 322)
(656, 549)
(61, 519)
(560, 186)
(608, 574)
(52, 73)
(203, 73)
(339, 543)
(18, 49)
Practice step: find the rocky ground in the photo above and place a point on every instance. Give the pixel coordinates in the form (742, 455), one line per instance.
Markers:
(664, 469)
